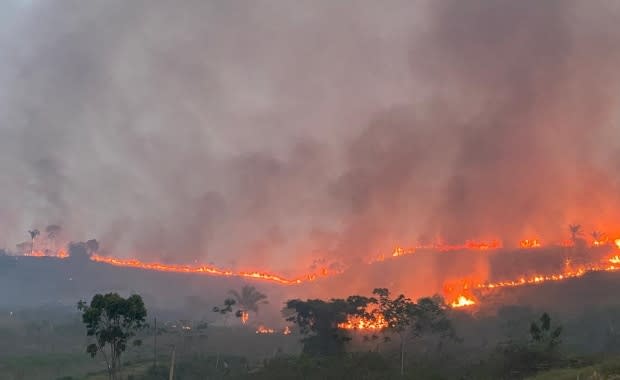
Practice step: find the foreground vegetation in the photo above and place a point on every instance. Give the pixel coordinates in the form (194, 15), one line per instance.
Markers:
(423, 339)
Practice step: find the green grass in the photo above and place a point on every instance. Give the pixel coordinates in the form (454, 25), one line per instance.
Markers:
(607, 369)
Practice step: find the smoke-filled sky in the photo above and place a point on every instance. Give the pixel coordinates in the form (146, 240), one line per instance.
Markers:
(273, 133)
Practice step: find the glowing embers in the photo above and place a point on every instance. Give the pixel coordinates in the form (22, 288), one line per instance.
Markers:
(375, 323)
(529, 243)
(60, 254)
(264, 330)
(463, 301)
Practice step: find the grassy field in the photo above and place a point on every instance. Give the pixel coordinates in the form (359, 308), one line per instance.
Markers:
(606, 369)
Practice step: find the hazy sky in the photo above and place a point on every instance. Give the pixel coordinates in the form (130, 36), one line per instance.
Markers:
(272, 133)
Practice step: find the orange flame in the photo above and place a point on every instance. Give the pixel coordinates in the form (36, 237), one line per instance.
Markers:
(529, 243)
(194, 269)
(60, 254)
(287, 331)
(360, 323)
(462, 301)
(244, 317)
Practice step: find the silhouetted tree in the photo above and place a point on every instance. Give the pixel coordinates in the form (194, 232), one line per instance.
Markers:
(249, 299)
(398, 314)
(575, 232)
(113, 321)
(542, 333)
(92, 246)
(83, 250)
(410, 320)
(597, 236)
(33, 235)
(53, 230)
(318, 321)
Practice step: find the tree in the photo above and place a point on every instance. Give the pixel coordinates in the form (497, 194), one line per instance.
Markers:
(113, 321)
(53, 230)
(397, 313)
(318, 321)
(410, 320)
(83, 250)
(575, 231)
(543, 335)
(249, 299)
(33, 235)
(228, 308)
(537, 353)
(92, 246)
(598, 237)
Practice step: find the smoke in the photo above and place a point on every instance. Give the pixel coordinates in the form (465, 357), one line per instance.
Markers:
(275, 134)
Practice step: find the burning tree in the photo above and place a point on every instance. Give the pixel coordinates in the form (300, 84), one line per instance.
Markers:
(410, 320)
(113, 321)
(319, 321)
(249, 299)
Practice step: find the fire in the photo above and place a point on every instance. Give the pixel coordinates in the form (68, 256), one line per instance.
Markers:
(60, 254)
(244, 317)
(264, 330)
(359, 323)
(476, 245)
(568, 273)
(398, 251)
(287, 331)
(132, 263)
(462, 301)
(457, 296)
(529, 243)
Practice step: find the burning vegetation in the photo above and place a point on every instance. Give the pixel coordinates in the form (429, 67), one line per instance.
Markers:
(459, 293)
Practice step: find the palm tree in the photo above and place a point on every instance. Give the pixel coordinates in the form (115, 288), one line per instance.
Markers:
(597, 236)
(575, 231)
(249, 299)
(33, 234)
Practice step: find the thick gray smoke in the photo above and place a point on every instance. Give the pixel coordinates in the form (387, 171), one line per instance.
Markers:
(274, 133)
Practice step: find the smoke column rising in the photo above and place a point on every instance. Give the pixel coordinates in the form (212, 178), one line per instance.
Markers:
(272, 134)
